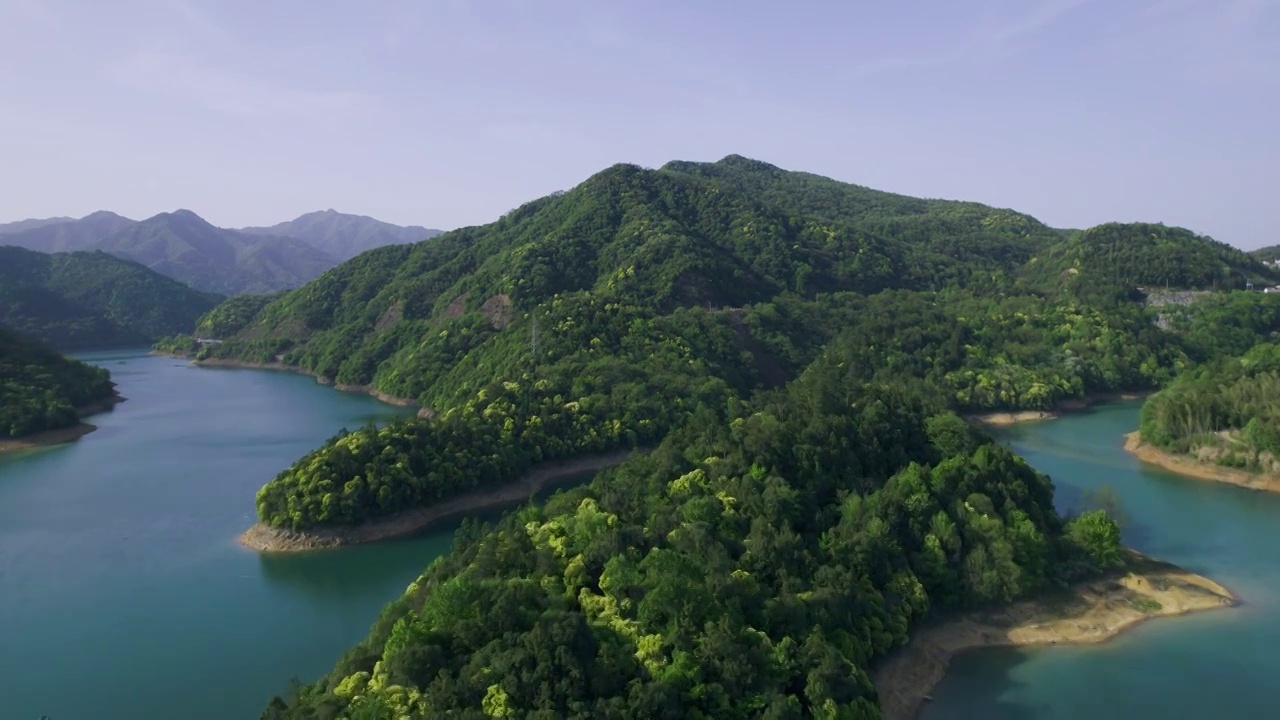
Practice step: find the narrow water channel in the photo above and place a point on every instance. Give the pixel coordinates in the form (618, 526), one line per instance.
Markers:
(1216, 665)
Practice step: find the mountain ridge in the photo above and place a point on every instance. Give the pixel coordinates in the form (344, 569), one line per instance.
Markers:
(187, 247)
(344, 235)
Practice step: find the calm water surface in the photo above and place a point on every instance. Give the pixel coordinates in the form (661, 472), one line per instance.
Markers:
(123, 593)
(1223, 664)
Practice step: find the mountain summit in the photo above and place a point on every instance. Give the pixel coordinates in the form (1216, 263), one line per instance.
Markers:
(343, 235)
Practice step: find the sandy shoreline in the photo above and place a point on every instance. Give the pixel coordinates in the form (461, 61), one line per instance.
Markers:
(1091, 612)
(59, 436)
(1194, 468)
(268, 539)
(1014, 417)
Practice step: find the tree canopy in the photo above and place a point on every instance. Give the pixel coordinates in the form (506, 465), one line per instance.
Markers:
(40, 389)
(92, 300)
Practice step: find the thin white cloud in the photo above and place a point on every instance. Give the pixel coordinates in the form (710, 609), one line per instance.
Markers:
(982, 39)
(1041, 16)
(1220, 41)
(223, 91)
(191, 56)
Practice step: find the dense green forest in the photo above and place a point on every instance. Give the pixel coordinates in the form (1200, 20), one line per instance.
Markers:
(608, 376)
(616, 307)
(757, 564)
(85, 300)
(1225, 411)
(1117, 258)
(1268, 254)
(40, 389)
(799, 351)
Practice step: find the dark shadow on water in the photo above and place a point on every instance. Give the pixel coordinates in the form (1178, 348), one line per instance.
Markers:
(976, 686)
(1072, 500)
(343, 573)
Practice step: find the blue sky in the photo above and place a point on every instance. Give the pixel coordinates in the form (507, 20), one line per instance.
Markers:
(447, 113)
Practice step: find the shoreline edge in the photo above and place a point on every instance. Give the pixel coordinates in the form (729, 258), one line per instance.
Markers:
(1004, 418)
(267, 539)
(1190, 467)
(61, 436)
(1089, 613)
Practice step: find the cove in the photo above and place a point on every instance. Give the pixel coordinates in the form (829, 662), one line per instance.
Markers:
(1218, 664)
(123, 591)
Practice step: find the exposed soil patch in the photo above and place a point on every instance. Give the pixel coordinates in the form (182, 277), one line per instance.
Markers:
(498, 310)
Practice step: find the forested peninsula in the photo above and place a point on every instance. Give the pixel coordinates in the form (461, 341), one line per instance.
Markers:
(799, 353)
(1220, 421)
(43, 395)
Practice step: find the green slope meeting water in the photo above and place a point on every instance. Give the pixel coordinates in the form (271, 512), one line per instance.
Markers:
(123, 592)
(1220, 664)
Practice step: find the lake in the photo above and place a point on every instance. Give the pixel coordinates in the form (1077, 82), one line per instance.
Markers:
(1218, 664)
(123, 592)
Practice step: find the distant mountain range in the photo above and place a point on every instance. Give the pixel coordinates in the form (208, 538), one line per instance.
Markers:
(344, 236)
(184, 246)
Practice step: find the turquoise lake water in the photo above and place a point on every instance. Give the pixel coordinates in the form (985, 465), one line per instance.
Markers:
(123, 593)
(1221, 664)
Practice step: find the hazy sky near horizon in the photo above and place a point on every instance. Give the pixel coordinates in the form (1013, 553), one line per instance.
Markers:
(446, 113)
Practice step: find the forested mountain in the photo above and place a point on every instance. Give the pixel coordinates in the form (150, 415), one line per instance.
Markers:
(70, 235)
(1268, 254)
(1118, 257)
(652, 239)
(184, 246)
(649, 292)
(85, 300)
(344, 236)
(797, 349)
(939, 237)
(40, 389)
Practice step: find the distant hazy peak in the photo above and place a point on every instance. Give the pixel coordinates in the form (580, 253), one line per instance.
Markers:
(104, 215)
(31, 224)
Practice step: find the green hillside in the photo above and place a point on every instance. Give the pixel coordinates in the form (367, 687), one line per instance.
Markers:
(941, 240)
(656, 240)
(1226, 412)
(1268, 254)
(1118, 257)
(600, 318)
(86, 300)
(40, 389)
